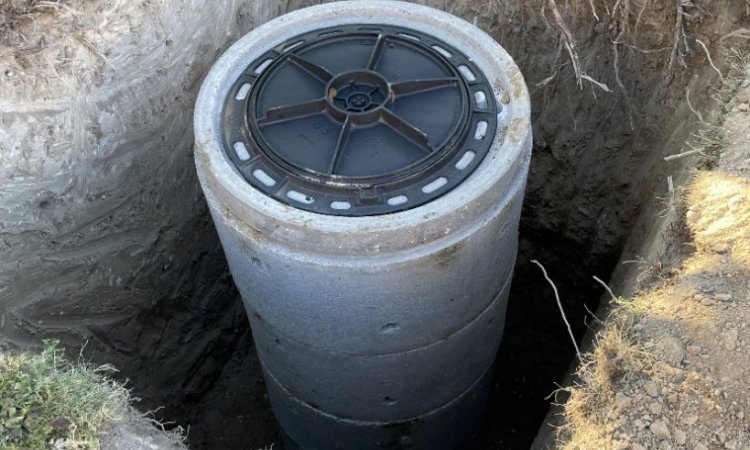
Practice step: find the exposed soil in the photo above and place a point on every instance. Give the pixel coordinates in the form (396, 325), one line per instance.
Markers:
(105, 241)
(50, 49)
(108, 239)
(670, 366)
(580, 202)
(136, 432)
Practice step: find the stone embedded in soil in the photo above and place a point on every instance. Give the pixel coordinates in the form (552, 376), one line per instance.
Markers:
(655, 408)
(693, 349)
(690, 419)
(651, 388)
(672, 350)
(721, 248)
(622, 401)
(723, 297)
(660, 429)
(730, 339)
(680, 437)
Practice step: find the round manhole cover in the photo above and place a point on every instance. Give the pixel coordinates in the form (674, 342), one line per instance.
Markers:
(359, 120)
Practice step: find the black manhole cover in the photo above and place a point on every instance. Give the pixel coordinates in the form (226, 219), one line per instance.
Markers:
(359, 120)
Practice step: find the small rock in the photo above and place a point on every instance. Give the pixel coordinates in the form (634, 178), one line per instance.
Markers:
(744, 107)
(621, 445)
(639, 424)
(731, 445)
(622, 401)
(672, 350)
(721, 248)
(680, 438)
(693, 349)
(651, 388)
(659, 428)
(690, 419)
(638, 447)
(655, 408)
(723, 297)
(700, 447)
(730, 339)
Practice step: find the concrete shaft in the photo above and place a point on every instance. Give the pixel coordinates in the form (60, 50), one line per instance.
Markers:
(374, 332)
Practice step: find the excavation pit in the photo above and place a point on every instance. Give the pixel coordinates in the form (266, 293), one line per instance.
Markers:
(173, 322)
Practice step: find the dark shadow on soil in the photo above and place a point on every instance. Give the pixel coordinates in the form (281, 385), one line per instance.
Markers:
(535, 353)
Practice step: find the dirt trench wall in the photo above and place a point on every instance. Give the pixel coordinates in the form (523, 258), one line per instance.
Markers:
(104, 236)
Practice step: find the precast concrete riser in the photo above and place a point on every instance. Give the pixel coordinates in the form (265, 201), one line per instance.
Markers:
(308, 428)
(374, 331)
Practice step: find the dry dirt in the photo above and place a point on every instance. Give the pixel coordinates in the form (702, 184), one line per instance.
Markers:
(103, 233)
(51, 48)
(670, 368)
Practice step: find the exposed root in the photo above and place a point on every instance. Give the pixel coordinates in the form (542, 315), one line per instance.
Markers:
(693, 110)
(692, 152)
(742, 33)
(568, 42)
(620, 84)
(593, 10)
(559, 304)
(607, 288)
(678, 36)
(710, 61)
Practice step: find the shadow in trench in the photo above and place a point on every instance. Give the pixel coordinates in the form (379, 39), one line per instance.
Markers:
(535, 354)
(536, 351)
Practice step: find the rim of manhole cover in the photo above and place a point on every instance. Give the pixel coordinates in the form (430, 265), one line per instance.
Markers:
(359, 120)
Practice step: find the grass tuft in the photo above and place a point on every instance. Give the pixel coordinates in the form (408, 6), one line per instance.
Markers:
(49, 403)
(615, 359)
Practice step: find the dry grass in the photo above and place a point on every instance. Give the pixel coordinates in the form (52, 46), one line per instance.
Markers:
(45, 399)
(718, 216)
(591, 405)
(712, 212)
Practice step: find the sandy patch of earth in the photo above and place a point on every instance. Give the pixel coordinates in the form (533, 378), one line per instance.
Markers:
(671, 366)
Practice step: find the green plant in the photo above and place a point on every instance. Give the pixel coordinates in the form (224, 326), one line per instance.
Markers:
(47, 402)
